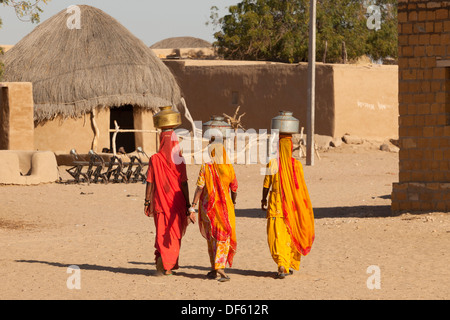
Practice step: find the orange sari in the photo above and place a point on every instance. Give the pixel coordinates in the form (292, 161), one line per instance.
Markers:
(216, 209)
(297, 208)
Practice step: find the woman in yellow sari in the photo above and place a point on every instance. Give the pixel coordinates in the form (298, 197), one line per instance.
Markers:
(216, 209)
(290, 217)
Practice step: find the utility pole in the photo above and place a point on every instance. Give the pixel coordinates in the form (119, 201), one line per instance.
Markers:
(311, 84)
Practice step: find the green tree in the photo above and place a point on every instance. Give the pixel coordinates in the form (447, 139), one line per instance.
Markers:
(278, 30)
(25, 11)
(263, 30)
(384, 42)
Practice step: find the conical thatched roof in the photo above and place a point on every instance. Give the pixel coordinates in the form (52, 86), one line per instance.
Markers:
(102, 64)
(181, 42)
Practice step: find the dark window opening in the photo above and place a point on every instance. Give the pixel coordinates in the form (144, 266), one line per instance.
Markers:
(234, 97)
(124, 118)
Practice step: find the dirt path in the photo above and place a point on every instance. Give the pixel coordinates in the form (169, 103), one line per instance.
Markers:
(102, 230)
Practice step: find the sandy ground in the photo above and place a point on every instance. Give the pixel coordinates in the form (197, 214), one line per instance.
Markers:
(102, 229)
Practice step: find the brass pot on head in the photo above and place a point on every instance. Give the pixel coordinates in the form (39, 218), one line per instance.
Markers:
(167, 118)
(286, 123)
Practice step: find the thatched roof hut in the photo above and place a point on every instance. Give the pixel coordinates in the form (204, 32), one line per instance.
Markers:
(181, 42)
(74, 71)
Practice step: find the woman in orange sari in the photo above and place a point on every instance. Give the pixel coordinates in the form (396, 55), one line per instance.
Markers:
(290, 217)
(167, 200)
(216, 209)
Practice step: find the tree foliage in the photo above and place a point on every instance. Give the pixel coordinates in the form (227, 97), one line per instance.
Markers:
(28, 10)
(277, 30)
(25, 11)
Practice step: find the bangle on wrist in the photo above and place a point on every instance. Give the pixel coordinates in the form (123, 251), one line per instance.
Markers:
(147, 202)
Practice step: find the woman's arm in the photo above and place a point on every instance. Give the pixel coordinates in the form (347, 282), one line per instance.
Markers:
(233, 197)
(190, 213)
(148, 206)
(185, 190)
(264, 198)
(197, 195)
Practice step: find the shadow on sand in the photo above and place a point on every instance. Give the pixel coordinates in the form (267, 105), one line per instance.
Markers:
(150, 270)
(84, 266)
(331, 212)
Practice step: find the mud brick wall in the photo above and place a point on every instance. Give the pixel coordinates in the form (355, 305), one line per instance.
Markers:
(424, 107)
(16, 116)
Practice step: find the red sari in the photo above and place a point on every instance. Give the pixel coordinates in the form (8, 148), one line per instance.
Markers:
(167, 171)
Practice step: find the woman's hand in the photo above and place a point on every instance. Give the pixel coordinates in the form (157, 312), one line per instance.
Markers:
(148, 208)
(191, 214)
(263, 204)
(233, 198)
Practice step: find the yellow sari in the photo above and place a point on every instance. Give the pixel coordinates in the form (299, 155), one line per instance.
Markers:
(290, 226)
(216, 209)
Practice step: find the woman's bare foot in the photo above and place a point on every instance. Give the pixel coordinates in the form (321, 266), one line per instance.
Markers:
(168, 272)
(159, 267)
(223, 276)
(281, 273)
(212, 274)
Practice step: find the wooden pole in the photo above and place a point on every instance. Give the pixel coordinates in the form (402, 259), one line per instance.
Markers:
(311, 83)
(96, 130)
(117, 129)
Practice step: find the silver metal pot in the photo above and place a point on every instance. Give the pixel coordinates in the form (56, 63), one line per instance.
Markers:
(286, 123)
(217, 125)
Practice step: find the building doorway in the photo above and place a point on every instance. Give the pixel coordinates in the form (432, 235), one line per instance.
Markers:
(125, 120)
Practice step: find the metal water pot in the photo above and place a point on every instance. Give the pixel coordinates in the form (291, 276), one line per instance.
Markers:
(286, 123)
(218, 123)
(167, 118)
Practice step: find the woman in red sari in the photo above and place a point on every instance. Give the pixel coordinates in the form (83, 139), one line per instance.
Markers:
(167, 200)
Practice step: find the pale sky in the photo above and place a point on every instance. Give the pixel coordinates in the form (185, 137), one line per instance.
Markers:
(149, 20)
